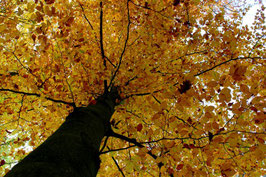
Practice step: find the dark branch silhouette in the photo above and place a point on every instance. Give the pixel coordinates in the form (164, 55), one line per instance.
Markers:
(85, 15)
(125, 46)
(118, 167)
(232, 59)
(38, 95)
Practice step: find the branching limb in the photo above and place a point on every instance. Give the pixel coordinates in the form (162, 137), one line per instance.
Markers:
(125, 46)
(201, 138)
(235, 155)
(101, 34)
(104, 144)
(133, 141)
(38, 95)
(232, 157)
(140, 145)
(127, 83)
(109, 61)
(104, 58)
(136, 115)
(182, 120)
(23, 66)
(66, 78)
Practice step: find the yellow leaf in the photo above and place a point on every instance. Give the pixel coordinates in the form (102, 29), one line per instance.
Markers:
(156, 116)
(2, 27)
(216, 75)
(212, 84)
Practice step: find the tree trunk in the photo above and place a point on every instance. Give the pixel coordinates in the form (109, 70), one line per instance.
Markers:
(72, 151)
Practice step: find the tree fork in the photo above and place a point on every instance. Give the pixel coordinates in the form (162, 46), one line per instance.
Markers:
(73, 150)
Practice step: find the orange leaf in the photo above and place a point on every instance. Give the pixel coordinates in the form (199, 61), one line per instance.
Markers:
(49, 1)
(139, 127)
(2, 162)
(69, 21)
(180, 166)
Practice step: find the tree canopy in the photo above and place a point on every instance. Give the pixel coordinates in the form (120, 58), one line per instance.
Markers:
(189, 74)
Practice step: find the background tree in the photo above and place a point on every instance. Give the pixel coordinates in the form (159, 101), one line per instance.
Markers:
(182, 80)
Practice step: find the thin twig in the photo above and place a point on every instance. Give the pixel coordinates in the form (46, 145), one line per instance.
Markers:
(134, 114)
(120, 149)
(129, 45)
(142, 94)
(109, 61)
(135, 77)
(188, 54)
(158, 101)
(63, 64)
(232, 59)
(118, 167)
(232, 156)
(134, 141)
(125, 46)
(23, 66)
(85, 15)
(20, 109)
(255, 45)
(156, 11)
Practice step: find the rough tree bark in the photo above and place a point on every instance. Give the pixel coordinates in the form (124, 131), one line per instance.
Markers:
(73, 150)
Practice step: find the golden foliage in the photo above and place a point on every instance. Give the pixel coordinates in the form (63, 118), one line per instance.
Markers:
(192, 77)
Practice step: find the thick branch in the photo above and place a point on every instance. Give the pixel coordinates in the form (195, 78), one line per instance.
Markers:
(101, 34)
